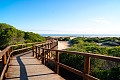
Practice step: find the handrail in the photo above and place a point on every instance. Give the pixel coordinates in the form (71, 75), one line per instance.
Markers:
(4, 51)
(7, 53)
(105, 57)
(45, 52)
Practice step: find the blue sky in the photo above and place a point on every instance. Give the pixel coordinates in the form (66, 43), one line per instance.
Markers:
(62, 16)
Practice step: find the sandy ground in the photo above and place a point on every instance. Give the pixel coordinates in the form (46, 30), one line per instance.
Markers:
(63, 45)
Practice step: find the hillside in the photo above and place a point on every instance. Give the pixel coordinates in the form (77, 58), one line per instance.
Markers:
(10, 35)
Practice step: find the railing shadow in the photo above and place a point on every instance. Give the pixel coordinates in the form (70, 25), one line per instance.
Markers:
(23, 72)
(32, 76)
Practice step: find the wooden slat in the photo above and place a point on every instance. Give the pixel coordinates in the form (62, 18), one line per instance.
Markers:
(105, 57)
(86, 66)
(5, 68)
(80, 73)
(4, 51)
(57, 60)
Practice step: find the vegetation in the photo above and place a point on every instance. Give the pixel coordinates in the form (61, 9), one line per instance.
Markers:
(10, 35)
(105, 70)
(64, 39)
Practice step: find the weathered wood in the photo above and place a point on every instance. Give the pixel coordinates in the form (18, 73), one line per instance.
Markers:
(4, 59)
(57, 60)
(2, 77)
(4, 51)
(78, 72)
(21, 46)
(39, 52)
(6, 54)
(48, 45)
(87, 56)
(99, 56)
(86, 66)
(26, 47)
(36, 51)
(51, 47)
(25, 67)
(43, 54)
(33, 49)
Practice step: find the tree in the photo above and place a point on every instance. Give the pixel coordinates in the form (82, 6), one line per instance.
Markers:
(10, 35)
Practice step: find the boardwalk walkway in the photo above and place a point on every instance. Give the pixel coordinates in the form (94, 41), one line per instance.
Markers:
(25, 67)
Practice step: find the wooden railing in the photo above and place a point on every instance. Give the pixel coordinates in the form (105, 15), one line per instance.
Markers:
(45, 51)
(48, 52)
(6, 54)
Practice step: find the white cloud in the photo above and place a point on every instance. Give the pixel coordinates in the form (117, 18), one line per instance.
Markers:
(99, 20)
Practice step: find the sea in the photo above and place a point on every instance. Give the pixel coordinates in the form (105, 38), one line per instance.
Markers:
(81, 35)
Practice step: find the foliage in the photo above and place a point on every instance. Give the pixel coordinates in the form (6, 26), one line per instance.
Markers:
(10, 35)
(71, 60)
(99, 68)
(112, 74)
(64, 39)
(33, 37)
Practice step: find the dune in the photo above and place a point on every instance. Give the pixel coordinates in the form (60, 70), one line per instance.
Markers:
(63, 45)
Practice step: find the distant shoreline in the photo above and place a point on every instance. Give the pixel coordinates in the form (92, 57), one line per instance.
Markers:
(81, 35)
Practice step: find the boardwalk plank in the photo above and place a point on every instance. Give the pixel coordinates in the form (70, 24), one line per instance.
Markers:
(25, 67)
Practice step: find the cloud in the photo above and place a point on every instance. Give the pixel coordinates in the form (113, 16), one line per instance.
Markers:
(99, 20)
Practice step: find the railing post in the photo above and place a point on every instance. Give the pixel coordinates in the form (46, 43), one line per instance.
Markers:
(39, 53)
(21, 48)
(11, 49)
(43, 55)
(33, 49)
(26, 47)
(4, 59)
(86, 65)
(57, 44)
(48, 45)
(36, 52)
(7, 53)
(56, 65)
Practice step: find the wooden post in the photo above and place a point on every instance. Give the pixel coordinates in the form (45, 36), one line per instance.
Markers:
(56, 65)
(43, 54)
(86, 65)
(33, 49)
(21, 48)
(57, 44)
(4, 59)
(7, 54)
(36, 52)
(48, 45)
(51, 45)
(39, 53)
(11, 49)
(45, 45)
(45, 57)
(26, 47)
(47, 54)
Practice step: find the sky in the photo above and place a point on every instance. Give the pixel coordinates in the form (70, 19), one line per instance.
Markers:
(62, 16)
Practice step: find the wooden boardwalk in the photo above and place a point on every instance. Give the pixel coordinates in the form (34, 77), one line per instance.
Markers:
(25, 67)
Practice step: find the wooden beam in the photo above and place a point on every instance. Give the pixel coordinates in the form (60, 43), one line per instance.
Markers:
(86, 66)
(56, 65)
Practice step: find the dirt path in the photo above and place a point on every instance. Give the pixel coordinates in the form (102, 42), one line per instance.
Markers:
(63, 45)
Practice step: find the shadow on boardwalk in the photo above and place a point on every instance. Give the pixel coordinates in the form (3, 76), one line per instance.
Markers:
(23, 72)
(25, 67)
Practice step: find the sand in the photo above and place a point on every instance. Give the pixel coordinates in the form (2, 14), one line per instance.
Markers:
(62, 45)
